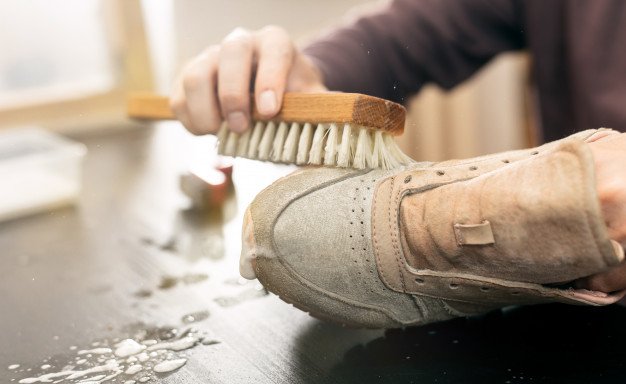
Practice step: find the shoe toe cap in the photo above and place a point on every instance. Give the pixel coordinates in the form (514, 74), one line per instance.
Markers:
(309, 240)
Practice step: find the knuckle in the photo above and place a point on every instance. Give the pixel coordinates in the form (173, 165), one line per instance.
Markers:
(211, 51)
(177, 105)
(237, 39)
(194, 80)
(273, 29)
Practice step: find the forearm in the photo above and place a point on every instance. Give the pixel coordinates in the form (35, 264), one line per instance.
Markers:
(392, 53)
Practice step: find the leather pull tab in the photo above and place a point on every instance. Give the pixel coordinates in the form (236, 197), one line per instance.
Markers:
(474, 234)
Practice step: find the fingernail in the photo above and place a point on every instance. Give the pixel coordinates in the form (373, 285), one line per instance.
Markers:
(237, 121)
(267, 102)
(619, 250)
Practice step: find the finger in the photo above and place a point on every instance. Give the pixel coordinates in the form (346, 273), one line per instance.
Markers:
(601, 135)
(609, 281)
(275, 59)
(198, 83)
(178, 105)
(233, 79)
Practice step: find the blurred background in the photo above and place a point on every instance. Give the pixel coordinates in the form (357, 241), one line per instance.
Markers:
(68, 66)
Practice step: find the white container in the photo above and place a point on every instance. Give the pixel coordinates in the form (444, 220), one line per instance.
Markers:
(39, 171)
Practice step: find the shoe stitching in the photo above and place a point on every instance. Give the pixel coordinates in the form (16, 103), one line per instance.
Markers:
(287, 266)
(298, 279)
(379, 262)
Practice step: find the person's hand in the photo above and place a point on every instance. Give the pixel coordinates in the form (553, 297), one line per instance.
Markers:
(216, 85)
(609, 152)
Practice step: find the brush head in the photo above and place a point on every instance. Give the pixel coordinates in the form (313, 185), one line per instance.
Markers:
(333, 129)
(340, 145)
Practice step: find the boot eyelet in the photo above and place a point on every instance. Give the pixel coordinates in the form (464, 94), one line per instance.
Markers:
(484, 289)
(515, 293)
(505, 161)
(534, 153)
(419, 280)
(453, 286)
(407, 179)
(473, 168)
(441, 173)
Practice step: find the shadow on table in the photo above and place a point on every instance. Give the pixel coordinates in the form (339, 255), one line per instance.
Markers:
(540, 344)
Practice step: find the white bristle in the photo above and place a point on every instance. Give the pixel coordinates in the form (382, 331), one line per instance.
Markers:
(377, 150)
(363, 151)
(265, 146)
(255, 140)
(304, 144)
(291, 144)
(332, 141)
(231, 144)
(381, 156)
(351, 146)
(279, 142)
(242, 143)
(222, 135)
(317, 146)
(346, 147)
(396, 152)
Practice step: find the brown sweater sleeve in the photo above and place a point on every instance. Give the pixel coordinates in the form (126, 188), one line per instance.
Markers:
(394, 52)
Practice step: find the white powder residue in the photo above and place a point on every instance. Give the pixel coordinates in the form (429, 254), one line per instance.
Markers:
(130, 382)
(144, 379)
(128, 347)
(45, 366)
(133, 369)
(169, 365)
(13, 366)
(95, 351)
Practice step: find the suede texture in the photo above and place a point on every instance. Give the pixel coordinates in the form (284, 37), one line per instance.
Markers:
(312, 246)
(379, 249)
(542, 212)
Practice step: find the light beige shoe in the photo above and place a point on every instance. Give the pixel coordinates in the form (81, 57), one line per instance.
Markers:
(433, 241)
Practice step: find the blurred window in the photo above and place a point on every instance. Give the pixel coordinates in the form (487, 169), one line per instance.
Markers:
(53, 49)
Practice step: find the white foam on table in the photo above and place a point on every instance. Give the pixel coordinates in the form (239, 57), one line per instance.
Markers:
(169, 365)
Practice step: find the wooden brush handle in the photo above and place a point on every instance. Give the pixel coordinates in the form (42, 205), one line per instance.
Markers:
(330, 107)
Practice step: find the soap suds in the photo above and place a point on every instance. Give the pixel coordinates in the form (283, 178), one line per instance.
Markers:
(95, 351)
(169, 365)
(195, 317)
(128, 347)
(177, 345)
(150, 350)
(133, 369)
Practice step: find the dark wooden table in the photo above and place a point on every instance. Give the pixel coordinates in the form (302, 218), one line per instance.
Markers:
(131, 257)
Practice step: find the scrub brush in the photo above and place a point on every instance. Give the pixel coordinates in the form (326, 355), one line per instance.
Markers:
(346, 130)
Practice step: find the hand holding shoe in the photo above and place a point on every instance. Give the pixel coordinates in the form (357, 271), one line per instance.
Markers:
(609, 152)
